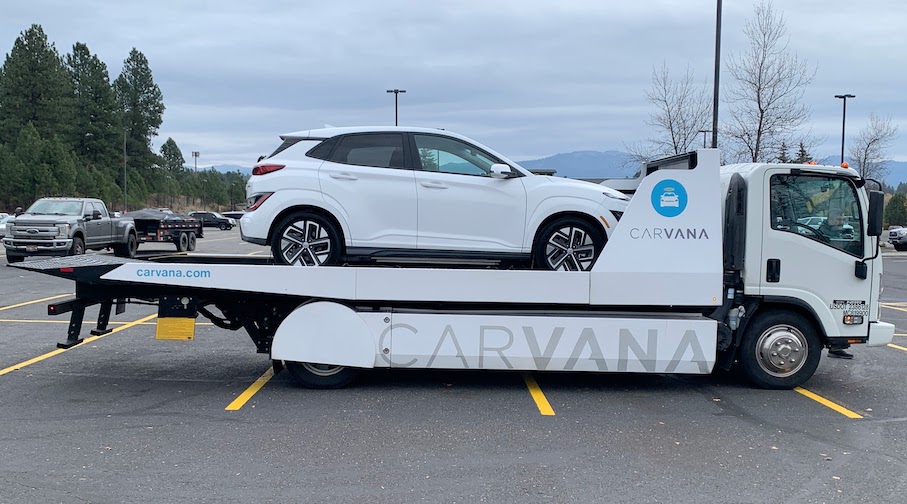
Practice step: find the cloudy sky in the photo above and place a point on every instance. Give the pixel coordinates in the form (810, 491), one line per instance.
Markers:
(529, 78)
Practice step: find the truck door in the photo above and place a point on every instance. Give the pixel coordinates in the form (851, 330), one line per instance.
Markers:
(813, 234)
(98, 232)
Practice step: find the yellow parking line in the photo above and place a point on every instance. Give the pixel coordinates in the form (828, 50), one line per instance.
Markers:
(10, 307)
(899, 347)
(898, 308)
(829, 404)
(540, 400)
(243, 398)
(27, 321)
(58, 351)
(256, 252)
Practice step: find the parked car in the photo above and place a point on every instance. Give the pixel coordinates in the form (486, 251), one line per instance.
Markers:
(214, 219)
(336, 195)
(897, 236)
(3, 220)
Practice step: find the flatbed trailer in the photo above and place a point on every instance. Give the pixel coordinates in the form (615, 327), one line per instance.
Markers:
(154, 226)
(670, 293)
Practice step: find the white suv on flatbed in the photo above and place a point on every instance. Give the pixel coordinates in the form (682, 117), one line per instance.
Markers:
(337, 195)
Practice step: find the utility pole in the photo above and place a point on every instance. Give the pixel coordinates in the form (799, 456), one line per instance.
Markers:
(125, 209)
(717, 72)
(843, 120)
(396, 94)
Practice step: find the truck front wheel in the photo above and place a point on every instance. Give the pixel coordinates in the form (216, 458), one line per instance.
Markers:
(321, 376)
(780, 350)
(14, 258)
(78, 246)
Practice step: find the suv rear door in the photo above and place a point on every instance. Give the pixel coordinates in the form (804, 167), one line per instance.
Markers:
(368, 180)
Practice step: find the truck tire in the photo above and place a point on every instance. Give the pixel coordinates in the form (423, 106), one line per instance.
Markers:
(127, 249)
(78, 246)
(14, 258)
(567, 244)
(182, 242)
(191, 246)
(780, 350)
(222, 226)
(321, 376)
(306, 239)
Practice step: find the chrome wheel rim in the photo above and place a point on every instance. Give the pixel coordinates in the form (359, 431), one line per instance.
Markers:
(781, 350)
(570, 248)
(305, 243)
(322, 369)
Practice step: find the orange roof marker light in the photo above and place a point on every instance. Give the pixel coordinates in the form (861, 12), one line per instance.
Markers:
(845, 165)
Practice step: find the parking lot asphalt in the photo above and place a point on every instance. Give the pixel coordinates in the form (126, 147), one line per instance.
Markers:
(127, 418)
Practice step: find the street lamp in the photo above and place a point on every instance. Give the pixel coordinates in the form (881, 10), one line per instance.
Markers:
(396, 94)
(125, 209)
(843, 120)
(703, 136)
(195, 155)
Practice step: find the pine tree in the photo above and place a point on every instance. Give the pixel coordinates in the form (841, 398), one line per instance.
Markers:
(98, 142)
(802, 155)
(172, 157)
(142, 108)
(896, 210)
(783, 156)
(34, 88)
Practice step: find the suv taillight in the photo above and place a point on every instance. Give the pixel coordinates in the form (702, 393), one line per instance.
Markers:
(266, 168)
(256, 200)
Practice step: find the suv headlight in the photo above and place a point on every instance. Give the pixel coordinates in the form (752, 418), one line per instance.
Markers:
(63, 230)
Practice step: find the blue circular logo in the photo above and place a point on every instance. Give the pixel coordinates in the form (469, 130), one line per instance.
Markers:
(669, 198)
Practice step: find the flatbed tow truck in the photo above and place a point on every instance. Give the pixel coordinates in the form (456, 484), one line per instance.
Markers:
(710, 267)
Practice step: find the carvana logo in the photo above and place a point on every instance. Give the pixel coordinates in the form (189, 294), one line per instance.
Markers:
(669, 198)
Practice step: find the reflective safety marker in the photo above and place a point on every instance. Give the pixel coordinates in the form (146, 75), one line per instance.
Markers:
(174, 328)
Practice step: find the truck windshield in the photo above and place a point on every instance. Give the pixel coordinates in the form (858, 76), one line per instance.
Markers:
(825, 209)
(56, 207)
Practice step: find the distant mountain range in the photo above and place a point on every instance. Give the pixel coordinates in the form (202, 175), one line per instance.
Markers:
(613, 164)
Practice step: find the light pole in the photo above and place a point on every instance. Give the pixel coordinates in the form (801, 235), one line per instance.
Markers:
(703, 136)
(717, 72)
(195, 156)
(843, 120)
(125, 209)
(396, 94)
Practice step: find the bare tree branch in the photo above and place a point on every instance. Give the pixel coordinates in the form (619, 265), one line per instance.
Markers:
(870, 148)
(765, 104)
(683, 108)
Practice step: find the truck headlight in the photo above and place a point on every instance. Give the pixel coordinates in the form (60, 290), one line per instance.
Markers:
(10, 229)
(63, 230)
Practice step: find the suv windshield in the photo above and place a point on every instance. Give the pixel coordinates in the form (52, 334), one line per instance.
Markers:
(55, 207)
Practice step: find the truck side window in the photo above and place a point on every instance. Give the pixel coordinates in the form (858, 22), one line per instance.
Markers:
(824, 209)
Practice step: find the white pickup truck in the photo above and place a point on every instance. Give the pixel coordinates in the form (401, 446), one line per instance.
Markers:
(708, 268)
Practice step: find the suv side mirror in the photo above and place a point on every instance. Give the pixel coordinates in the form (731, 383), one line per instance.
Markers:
(876, 206)
(501, 171)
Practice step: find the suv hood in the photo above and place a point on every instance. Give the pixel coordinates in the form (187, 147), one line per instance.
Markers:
(613, 199)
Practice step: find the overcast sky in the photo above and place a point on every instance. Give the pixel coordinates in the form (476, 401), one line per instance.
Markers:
(528, 78)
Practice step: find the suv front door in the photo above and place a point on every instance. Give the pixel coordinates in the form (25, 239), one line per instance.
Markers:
(368, 180)
(461, 207)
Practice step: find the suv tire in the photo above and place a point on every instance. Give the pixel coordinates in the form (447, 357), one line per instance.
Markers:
(306, 239)
(567, 244)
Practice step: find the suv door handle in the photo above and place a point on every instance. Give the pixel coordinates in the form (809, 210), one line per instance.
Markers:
(434, 185)
(343, 176)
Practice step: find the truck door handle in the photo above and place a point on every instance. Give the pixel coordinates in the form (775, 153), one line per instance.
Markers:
(773, 270)
(343, 176)
(434, 185)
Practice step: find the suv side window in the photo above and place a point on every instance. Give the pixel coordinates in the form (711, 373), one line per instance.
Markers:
(449, 155)
(381, 150)
(825, 209)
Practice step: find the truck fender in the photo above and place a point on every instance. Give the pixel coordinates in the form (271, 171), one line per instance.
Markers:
(123, 230)
(324, 332)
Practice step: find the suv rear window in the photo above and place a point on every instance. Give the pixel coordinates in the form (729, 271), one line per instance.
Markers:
(323, 150)
(382, 150)
(305, 142)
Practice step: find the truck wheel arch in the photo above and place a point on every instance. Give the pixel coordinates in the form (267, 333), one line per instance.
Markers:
(325, 332)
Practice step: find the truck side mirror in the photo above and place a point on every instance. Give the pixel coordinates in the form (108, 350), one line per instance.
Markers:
(96, 214)
(19, 211)
(876, 206)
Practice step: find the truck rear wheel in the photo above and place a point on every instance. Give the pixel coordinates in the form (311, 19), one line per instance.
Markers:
(78, 246)
(191, 246)
(321, 376)
(127, 249)
(780, 350)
